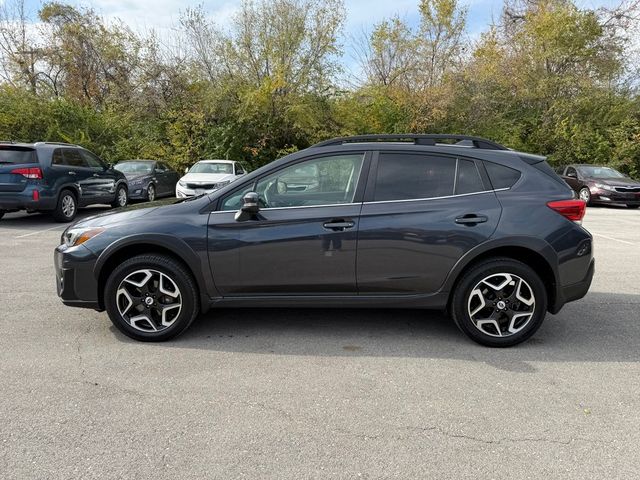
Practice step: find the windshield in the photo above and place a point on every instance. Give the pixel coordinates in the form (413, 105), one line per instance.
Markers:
(600, 172)
(135, 167)
(212, 167)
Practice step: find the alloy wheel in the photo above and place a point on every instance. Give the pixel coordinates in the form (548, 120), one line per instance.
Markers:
(149, 300)
(151, 193)
(501, 305)
(585, 195)
(68, 206)
(122, 197)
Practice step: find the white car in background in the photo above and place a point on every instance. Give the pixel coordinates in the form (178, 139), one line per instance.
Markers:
(207, 176)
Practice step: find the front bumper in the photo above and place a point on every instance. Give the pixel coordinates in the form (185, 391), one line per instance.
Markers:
(138, 192)
(607, 196)
(183, 192)
(76, 284)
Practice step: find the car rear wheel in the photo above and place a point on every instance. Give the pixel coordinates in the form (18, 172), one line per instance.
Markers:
(499, 303)
(151, 298)
(67, 207)
(585, 194)
(151, 192)
(122, 198)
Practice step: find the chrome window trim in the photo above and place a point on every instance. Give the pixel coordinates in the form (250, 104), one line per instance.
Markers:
(373, 202)
(438, 198)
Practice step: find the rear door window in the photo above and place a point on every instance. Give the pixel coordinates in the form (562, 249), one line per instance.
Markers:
(501, 176)
(406, 176)
(17, 155)
(468, 178)
(73, 158)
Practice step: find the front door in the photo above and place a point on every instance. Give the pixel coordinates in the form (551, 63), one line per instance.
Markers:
(303, 240)
(421, 214)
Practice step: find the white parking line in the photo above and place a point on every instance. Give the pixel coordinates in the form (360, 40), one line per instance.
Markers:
(37, 232)
(612, 238)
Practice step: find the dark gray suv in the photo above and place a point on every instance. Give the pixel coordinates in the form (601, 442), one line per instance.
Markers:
(448, 222)
(56, 178)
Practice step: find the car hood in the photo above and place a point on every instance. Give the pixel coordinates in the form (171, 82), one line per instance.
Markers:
(207, 177)
(137, 176)
(617, 182)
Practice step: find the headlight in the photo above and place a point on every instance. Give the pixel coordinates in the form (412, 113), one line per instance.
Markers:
(77, 236)
(222, 184)
(602, 186)
(181, 183)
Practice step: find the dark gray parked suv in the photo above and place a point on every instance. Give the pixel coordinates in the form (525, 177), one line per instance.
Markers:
(56, 178)
(457, 223)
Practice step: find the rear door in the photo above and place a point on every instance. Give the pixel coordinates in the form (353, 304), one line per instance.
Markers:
(422, 212)
(15, 158)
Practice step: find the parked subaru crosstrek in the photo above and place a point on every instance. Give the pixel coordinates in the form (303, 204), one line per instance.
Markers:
(56, 178)
(461, 224)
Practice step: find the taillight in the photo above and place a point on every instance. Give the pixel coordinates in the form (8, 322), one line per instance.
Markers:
(32, 173)
(573, 210)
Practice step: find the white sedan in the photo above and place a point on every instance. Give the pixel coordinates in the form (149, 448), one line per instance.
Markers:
(207, 176)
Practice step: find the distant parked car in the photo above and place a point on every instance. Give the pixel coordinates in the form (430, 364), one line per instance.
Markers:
(148, 179)
(207, 176)
(56, 178)
(602, 185)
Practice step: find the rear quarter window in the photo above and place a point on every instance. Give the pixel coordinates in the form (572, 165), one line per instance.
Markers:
(501, 176)
(17, 155)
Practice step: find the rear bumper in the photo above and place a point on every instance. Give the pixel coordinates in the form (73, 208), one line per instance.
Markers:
(574, 291)
(24, 200)
(76, 284)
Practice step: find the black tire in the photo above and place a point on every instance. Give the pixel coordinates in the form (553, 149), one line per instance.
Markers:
(633, 207)
(172, 269)
(66, 208)
(471, 278)
(585, 194)
(120, 200)
(151, 192)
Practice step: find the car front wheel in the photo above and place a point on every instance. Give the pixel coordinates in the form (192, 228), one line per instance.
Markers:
(151, 298)
(122, 198)
(151, 192)
(499, 303)
(585, 194)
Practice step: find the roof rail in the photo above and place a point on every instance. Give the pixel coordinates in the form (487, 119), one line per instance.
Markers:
(56, 143)
(418, 139)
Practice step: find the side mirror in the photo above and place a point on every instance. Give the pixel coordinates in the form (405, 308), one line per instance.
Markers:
(572, 175)
(249, 208)
(186, 169)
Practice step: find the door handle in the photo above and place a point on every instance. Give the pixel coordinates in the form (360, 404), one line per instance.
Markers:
(471, 219)
(96, 175)
(71, 173)
(338, 225)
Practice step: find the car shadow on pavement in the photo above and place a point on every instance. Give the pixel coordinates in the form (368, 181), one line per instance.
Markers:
(35, 221)
(603, 327)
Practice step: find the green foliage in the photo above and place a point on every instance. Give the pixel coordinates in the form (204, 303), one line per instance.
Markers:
(549, 78)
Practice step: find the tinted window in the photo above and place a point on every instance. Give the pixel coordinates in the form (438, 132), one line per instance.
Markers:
(239, 170)
(403, 176)
(501, 176)
(468, 179)
(17, 155)
(91, 159)
(57, 158)
(73, 158)
(571, 171)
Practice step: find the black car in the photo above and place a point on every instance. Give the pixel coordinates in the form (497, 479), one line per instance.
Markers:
(56, 178)
(602, 185)
(491, 235)
(148, 179)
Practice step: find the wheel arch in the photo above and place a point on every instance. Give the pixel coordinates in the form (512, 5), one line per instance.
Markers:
(536, 254)
(137, 245)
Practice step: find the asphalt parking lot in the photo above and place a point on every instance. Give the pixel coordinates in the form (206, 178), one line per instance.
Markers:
(294, 394)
